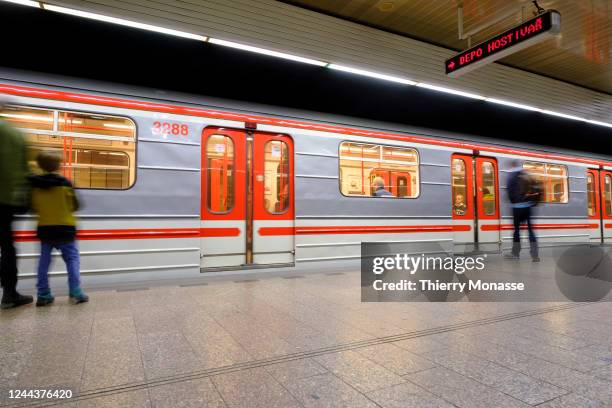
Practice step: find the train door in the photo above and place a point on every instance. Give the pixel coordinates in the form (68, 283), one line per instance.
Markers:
(594, 204)
(247, 208)
(606, 204)
(475, 199)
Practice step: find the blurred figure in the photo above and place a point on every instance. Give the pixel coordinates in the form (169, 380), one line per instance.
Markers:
(379, 188)
(459, 205)
(55, 202)
(14, 197)
(523, 193)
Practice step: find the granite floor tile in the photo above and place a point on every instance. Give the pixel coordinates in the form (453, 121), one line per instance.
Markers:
(111, 363)
(573, 401)
(586, 385)
(513, 383)
(254, 389)
(295, 370)
(358, 371)
(407, 395)
(605, 373)
(327, 391)
(462, 391)
(396, 359)
(166, 354)
(132, 399)
(420, 345)
(186, 394)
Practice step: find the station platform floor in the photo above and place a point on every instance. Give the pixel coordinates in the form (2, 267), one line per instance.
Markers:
(303, 339)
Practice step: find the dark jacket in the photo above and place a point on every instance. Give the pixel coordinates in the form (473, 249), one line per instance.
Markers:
(55, 202)
(518, 187)
(13, 167)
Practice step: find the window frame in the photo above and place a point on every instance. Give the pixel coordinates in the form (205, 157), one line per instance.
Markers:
(206, 169)
(418, 166)
(276, 175)
(62, 134)
(566, 179)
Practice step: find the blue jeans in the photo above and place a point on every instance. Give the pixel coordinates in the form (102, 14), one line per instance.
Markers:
(70, 255)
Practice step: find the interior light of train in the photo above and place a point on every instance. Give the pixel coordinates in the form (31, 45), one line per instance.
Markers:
(27, 117)
(124, 22)
(266, 52)
(25, 3)
(372, 74)
(524, 35)
(450, 91)
(117, 126)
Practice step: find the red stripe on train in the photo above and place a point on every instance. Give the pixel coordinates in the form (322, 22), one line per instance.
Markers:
(241, 117)
(507, 227)
(366, 229)
(155, 233)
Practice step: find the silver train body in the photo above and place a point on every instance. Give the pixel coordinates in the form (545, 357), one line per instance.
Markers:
(160, 223)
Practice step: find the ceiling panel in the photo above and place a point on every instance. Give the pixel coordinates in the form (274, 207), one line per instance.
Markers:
(580, 55)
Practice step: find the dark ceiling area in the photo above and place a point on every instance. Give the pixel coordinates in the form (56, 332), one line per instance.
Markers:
(47, 42)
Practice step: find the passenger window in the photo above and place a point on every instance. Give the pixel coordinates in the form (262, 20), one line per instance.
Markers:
(552, 179)
(591, 200)
(276, 177)
(608, 195)
(459, 187)
(98, 151)
(488, 188)
(219, 174)
(378, 171)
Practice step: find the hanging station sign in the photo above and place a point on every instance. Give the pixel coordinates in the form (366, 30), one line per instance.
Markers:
(526, 34)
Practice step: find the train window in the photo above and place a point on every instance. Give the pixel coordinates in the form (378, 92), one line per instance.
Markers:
(276, 177)
(553, 180)
(608, 195)
(381, 171)
(98, 151)
(220, 174)
(488, 188)
(591, 200)
(459, 187)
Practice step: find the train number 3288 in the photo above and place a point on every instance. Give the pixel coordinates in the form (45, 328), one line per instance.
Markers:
(169, 128)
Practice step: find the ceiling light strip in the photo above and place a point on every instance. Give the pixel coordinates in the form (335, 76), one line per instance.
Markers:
(449, 91)
(124, 22)
(371, 74)
(24, 2)
(264, 51)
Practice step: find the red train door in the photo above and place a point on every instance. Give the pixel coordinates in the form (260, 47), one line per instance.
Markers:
(606, 204)
(247, 206)
(475, 199)
(487, 200)
(594, 206)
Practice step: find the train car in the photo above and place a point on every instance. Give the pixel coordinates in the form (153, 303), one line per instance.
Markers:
(181, 185)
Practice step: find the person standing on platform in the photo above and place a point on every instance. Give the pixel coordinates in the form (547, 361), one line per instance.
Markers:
(523, 193)
(55, 202)
(14, 197)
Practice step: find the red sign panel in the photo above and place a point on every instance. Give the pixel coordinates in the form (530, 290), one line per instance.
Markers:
(515, 39)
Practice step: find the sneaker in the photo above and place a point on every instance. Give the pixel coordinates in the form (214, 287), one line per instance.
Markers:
(44, 299)
(78, 296)
(535, 259)
(15, 299)
(511, 256)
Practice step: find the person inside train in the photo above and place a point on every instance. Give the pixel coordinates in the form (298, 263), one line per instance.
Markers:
(523, 193)
(459, 205)
(379, 188)
(55, 202)
(13, 200)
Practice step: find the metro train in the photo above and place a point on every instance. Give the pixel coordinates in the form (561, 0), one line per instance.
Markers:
(177, 183)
